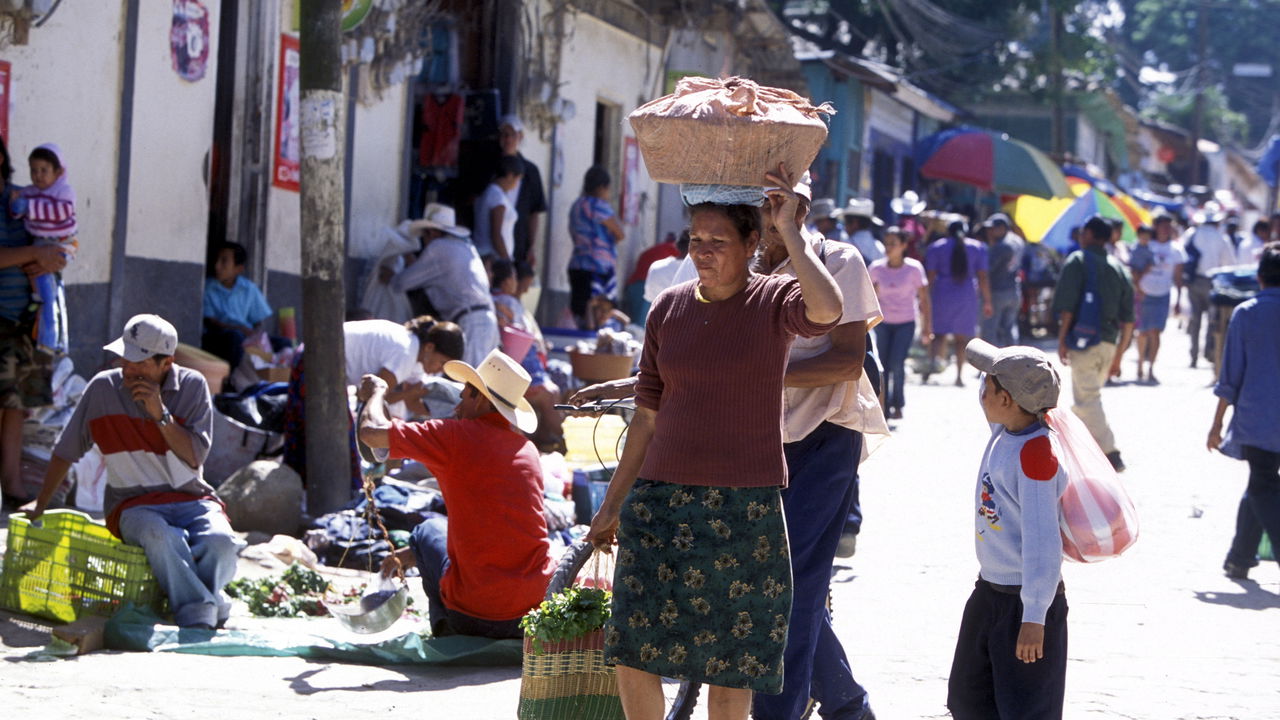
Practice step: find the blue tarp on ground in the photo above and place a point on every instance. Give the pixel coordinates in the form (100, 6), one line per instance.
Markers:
(141, 630)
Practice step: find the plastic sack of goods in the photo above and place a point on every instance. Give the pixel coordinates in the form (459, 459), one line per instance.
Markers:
(726, 132)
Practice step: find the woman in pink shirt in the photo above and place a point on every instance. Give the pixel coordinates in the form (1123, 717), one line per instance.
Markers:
(902, 287)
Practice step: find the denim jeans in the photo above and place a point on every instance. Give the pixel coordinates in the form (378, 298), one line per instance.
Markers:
(192, 551)
(894, 342)
(823, 476)
(1259, 507)
(999, 328)
(430, 546)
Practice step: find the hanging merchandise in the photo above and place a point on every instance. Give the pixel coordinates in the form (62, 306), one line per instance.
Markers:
(189, 39)
(442, 117)
(6, 72)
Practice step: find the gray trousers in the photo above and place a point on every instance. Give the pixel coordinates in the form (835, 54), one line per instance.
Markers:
(1198, 294)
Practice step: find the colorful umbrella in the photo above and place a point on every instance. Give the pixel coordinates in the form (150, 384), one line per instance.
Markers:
(990, 161)
(1080, 180)
(1050, 221)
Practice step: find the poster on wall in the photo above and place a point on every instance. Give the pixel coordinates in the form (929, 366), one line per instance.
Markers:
(288, 158)
(5, 69)
(631, 181)
(189, 39)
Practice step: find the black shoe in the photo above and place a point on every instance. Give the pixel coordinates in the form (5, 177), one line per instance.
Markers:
(1114, 458)
(1234, 571)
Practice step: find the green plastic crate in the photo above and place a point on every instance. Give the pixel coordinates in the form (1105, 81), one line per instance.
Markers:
(69, 565)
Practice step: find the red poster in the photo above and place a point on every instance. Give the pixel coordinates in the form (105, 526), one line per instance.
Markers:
(4, 99)
(288, 157)
(631, 181)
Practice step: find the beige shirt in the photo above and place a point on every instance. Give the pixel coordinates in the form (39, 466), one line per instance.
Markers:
(849, 404)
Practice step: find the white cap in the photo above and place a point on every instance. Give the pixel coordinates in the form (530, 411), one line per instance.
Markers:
(513, 120)
(504, 382)
(143, 337)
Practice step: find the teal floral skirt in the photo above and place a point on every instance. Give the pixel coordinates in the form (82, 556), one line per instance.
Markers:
(702, 586)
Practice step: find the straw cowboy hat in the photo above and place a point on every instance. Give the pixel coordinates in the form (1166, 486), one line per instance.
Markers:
(503, 382)
(861, 207)
(440, 217)
(909, 204)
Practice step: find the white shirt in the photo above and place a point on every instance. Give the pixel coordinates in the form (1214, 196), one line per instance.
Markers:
(1249, 251)
(867, 244)
(1216, 251)
(449, 269)
(1166, 257)
(662, 275)
(483, 236)
(849, 404)
(372, 345)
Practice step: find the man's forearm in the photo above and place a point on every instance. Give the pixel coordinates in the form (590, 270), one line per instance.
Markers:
(375, 421)
(829, 368)
(179, 440)
(54, 474)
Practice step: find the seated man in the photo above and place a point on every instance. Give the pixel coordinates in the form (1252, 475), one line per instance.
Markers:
(489, 562)
(233, 306)
(152, 421)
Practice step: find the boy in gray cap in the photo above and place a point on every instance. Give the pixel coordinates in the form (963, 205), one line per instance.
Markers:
(1011, 654)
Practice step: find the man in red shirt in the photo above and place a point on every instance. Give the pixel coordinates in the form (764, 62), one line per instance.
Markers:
(488, 563)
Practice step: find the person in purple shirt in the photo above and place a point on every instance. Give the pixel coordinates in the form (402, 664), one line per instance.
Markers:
(957, 271)
(1250, 366)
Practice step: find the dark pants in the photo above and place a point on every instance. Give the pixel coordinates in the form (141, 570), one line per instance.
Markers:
(1259, 507)
(988, 682)
(226, 343)
(893, 340)
(822, 469)
(430, 547)
(580, 292)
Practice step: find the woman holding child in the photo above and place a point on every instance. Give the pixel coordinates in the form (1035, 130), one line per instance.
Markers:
(702, 587)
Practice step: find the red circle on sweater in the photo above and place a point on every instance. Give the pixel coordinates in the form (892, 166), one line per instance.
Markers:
(1038, 460)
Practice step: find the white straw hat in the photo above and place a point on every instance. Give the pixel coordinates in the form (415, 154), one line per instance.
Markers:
(504, 382)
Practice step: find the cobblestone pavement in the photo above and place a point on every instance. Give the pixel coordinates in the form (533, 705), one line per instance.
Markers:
(1158, 634)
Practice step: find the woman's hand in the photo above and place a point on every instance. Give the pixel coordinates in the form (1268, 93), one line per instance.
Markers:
(604, 528)
(783, 201)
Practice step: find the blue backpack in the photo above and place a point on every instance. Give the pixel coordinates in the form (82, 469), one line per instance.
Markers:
(1087, 324)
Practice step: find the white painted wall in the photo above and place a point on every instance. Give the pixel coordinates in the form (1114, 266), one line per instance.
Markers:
(58, 96)
(376, 182)
(632, 75)
(172, 134)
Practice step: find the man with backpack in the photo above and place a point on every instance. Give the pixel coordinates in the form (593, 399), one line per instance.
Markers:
(1208, 250)
(1094, 303)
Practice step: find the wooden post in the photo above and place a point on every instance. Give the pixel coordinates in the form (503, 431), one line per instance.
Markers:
(321, 130)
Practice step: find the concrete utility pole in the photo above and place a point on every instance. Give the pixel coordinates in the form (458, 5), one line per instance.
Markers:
(323, 256)
(1202, 70)
(1058, 137)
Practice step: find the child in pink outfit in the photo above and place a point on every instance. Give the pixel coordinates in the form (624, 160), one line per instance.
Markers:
(48, 210)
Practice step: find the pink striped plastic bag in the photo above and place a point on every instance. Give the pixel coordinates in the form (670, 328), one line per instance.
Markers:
(1097, 519)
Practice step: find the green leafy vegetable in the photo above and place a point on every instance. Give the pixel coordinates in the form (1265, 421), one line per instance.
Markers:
(568, 614)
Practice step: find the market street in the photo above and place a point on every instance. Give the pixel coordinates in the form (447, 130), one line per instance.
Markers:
(1159, 633)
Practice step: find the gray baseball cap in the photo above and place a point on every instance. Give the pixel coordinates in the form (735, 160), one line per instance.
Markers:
(1024, 371)
(143, 337)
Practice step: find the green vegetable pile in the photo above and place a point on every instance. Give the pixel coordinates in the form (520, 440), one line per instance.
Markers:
(298, 592)
(568, 614)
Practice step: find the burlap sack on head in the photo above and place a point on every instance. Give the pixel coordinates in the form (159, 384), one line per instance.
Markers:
(729, 131)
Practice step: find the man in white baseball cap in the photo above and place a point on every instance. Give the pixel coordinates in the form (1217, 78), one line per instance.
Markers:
(489, 562)
(153, 423)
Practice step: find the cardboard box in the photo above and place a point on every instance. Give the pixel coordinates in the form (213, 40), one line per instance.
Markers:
(86, 633)
(274, 374)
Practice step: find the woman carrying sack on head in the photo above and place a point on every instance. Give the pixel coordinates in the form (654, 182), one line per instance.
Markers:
(702, 589)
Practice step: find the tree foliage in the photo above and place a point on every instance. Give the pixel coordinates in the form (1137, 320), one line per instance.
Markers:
(1162, 34)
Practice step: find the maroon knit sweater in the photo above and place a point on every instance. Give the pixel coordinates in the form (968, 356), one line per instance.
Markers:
(713, 371)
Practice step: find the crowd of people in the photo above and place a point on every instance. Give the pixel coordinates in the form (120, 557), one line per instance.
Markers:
(776, 346)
